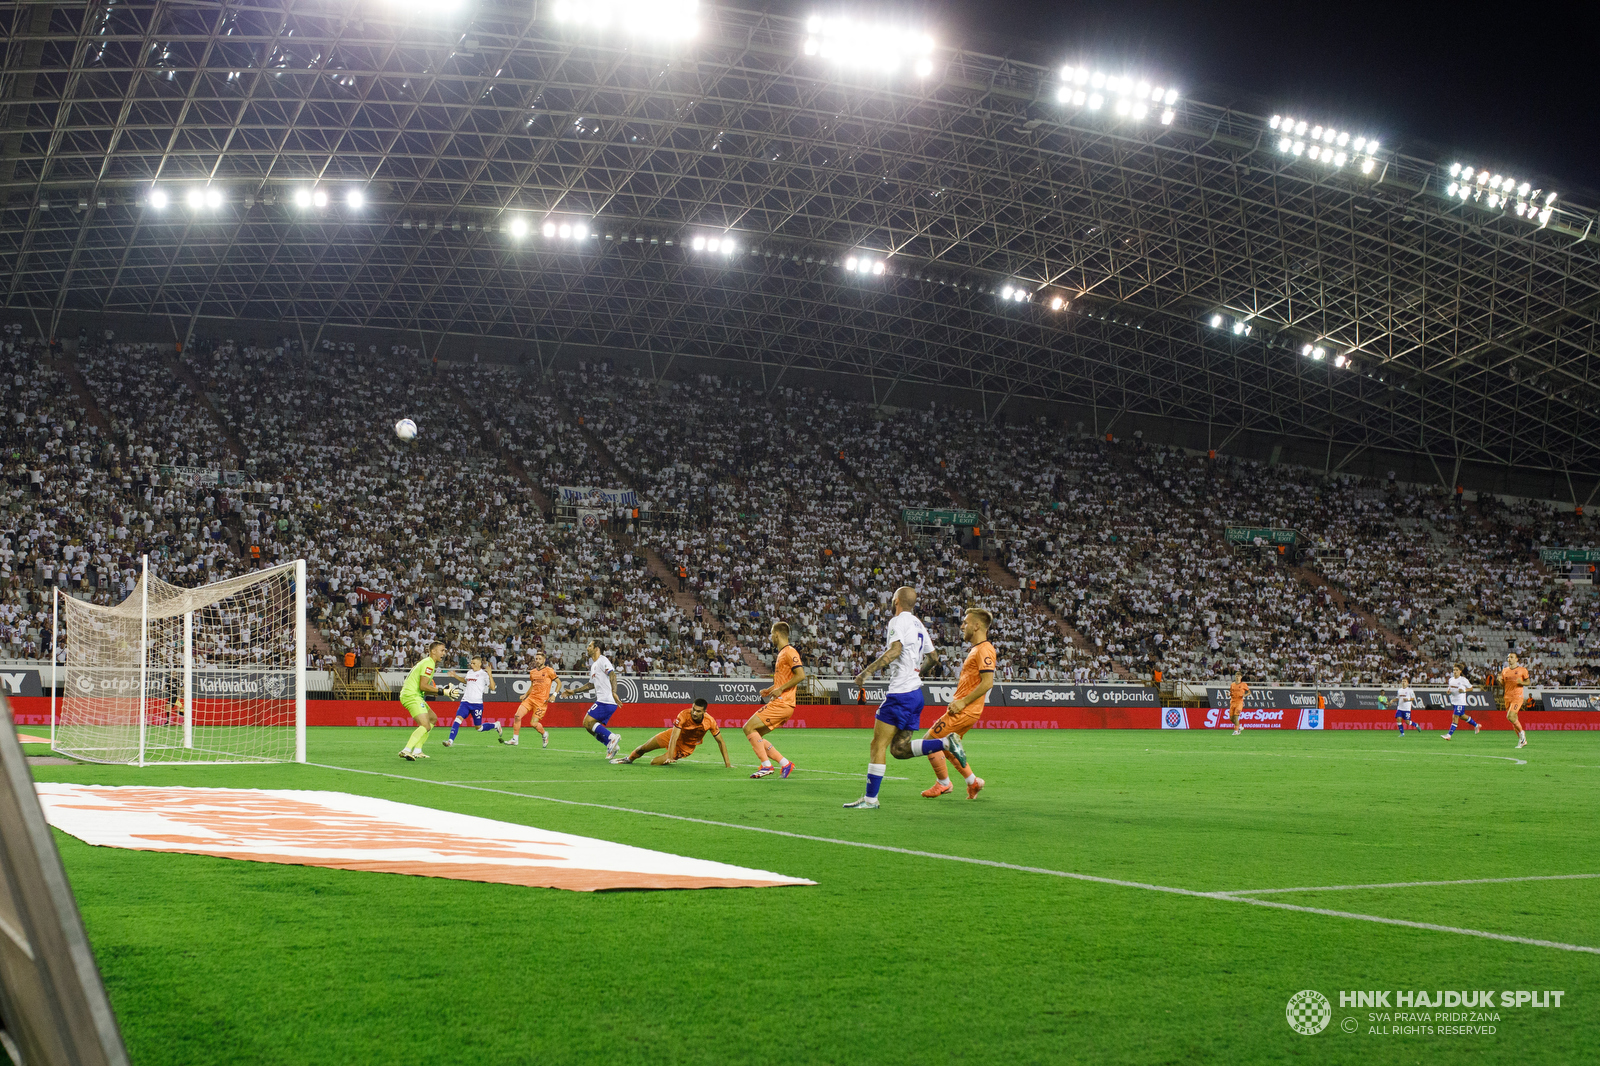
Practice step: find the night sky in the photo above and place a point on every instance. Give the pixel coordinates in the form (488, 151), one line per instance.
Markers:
(1473, 82)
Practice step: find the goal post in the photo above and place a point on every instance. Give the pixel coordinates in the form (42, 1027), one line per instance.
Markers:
(215, 674)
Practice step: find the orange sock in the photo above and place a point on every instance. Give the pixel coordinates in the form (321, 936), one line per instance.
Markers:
(772, 752)
(941, 769)
(758, 744)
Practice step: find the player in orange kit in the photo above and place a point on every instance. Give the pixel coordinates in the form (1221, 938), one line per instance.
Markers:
(1236, 694)
(543, 686)
(972, 688)
(786, 674)
(686, 734)
(1514, 678)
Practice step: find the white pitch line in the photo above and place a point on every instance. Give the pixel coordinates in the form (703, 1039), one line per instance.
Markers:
(996, 864)
(1337, 754)
(1415, 884)
(736, 766)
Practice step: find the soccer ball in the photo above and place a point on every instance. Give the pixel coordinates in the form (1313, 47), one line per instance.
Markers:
(405, 429)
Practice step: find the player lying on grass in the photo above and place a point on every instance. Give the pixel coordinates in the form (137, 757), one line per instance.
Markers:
(910, 649)
(972, 688)
(1458, 702)
(786, 674)
(1513, 678)
(603, 680)
(472, 699)
(688, 730)
(543, 686)
(418, 681)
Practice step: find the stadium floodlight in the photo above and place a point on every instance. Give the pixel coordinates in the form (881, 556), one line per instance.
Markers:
(1216, 321)
(1314, 351)
(880, 47)
(865, 264)
(319, 198)
(721, 244)
(302, 197)
(356, 198)
(196, 198)
(1328, 145)
(1500, 192)
(664, 20)
(519, 228)
(566, 230)
(1015, 293)
(158, 199)
(1130, 97)
(1058, 303)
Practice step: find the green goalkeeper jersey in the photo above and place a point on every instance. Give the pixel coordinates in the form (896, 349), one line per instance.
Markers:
(413, 685)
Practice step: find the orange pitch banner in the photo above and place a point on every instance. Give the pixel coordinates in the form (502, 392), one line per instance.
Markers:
(350, 832)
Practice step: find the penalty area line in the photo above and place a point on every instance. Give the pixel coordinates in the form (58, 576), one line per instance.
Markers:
(1414, 884)
(995, 864)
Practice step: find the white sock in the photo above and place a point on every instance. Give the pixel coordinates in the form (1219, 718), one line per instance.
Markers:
(877, 769)
(784, 762)
(972, 778)
(766, 764)
(945, 781)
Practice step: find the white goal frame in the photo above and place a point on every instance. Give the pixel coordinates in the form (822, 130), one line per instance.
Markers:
(74, 735)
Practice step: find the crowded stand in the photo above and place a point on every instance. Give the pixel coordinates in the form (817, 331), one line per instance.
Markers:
(1099, 558)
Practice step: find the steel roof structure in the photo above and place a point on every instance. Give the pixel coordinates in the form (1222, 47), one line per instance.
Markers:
(1470, 330)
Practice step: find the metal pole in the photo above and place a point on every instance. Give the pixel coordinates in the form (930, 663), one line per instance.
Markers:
(188, 679)
(299, 660)
(144, 645)
(55, 657)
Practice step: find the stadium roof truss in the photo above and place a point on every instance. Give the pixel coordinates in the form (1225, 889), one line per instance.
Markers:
(1471, 331)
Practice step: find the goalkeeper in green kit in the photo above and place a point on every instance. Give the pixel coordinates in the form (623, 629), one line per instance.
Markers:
(418, 681)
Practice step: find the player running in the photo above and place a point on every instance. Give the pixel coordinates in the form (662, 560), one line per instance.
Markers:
(686, 734)
(603, 680)
(900, 714)
(1458, 686)
(544, 685)
(1236, 694)
(972, 688)
(418, 681)
(1404, 700)
(1513, 679)
(786, 674)
(472, 699)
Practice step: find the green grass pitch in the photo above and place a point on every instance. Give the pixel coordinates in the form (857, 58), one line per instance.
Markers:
(892, 957)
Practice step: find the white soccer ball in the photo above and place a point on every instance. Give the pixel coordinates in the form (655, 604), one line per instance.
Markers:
(405, 429)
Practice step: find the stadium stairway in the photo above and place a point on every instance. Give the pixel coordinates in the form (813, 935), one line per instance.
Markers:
(92, 414)
(188, 377)
(1307, 576)
(685, 601)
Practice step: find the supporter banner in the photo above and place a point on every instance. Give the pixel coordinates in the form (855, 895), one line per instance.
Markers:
(913, 516)
(1569, 555)
(1365, 699)
(1248, 535)
(589, 496)
(197, 476)
(1174, 718)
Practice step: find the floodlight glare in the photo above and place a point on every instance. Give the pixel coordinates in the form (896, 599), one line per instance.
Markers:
(355, 198)
(668, 20)
(1499, 192)
(1130, 97)
(519, 228)
(319, 198)
(1216, 321)
(302, 197)
(1295, 139)
(878, 268)
(1057, 303)
(1338, 360)
(196, 198)
(564, 230)
(549, 229)
(880, 47)
(158, 199)
(213, 198)
(699, 244)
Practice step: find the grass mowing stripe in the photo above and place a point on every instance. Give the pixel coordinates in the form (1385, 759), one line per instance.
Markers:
(995, 864)
(1415, 884)
(1338, 754)
(736, 766)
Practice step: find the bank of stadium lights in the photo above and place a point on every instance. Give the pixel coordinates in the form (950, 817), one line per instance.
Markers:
(309, 198)
(1327, 145)
(865, 264)
(202, 198)
(718, 245)
(880, 47)
(1237, 326)
(1121, 95)
(1015, 294)
(662, 20)
(1498, 192)
(556, 230)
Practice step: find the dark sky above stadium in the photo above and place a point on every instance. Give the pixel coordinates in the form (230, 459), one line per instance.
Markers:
(1513, 87)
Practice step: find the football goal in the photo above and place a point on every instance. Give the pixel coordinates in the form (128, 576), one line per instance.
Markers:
(173, 675)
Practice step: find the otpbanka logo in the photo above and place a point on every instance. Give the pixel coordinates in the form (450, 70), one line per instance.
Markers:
(1309, 1012)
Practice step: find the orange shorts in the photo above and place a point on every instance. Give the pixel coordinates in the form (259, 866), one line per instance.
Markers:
(775, 714)
(1515, 701)
(957, 723)
(529, 706)
(684, 750)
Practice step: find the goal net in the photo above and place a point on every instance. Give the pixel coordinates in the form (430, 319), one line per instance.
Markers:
(213, 674)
